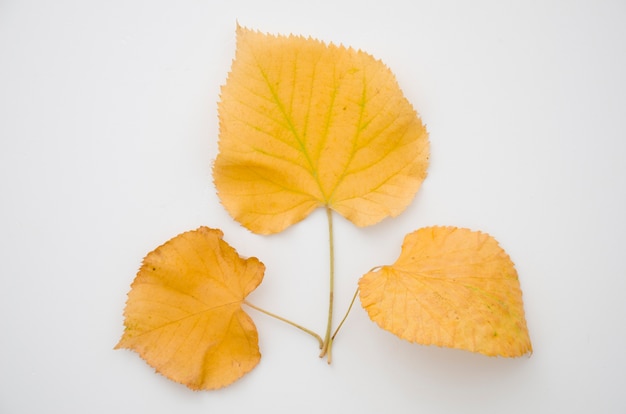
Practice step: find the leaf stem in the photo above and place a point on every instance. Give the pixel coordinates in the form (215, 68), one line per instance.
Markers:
(347, 313)
(328, 339)
(280, 318)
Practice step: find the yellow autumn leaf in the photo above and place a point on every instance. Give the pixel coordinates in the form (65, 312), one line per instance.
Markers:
(304, 124)
(183, 315)
(450, 287)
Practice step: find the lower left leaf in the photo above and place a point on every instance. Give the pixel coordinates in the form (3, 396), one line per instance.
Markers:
(183, 315)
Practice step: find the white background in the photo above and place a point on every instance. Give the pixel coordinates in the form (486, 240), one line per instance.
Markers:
(108, 129)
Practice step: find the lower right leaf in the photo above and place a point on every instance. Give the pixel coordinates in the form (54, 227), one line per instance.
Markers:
(450, 287)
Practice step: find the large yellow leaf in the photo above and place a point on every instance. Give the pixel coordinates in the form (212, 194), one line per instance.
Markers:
(450, 287)
(304, 124)
(183, 315)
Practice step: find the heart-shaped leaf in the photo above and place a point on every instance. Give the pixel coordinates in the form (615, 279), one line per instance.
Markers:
(183, 315)
(450, 287)
(304, 124)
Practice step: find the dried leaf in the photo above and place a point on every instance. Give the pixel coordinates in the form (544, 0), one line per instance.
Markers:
(304, 124)
(450, 287)
(183, 315)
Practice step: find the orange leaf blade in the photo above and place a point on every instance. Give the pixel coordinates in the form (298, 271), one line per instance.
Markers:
(183, 315)
(304, 124)
(450, 287)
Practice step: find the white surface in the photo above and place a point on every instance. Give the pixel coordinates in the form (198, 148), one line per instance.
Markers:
(108, 128)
